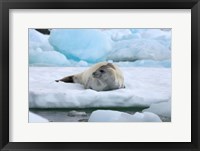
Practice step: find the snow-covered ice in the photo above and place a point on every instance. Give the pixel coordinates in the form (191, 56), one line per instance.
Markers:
(33, 118)
(144, 86)
(116, 116)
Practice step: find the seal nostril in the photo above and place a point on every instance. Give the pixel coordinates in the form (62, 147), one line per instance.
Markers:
(93, 73)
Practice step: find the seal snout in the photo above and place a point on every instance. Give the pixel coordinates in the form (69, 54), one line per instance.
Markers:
(96, 75)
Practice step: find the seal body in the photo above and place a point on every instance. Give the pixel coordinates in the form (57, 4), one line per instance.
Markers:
(102, 76)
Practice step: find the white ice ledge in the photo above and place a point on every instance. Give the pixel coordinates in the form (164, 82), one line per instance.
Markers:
(144, 86)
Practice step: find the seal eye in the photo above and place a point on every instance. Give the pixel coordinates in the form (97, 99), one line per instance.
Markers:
(102, 71)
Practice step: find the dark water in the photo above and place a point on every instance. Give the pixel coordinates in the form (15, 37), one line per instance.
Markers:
(81, 114)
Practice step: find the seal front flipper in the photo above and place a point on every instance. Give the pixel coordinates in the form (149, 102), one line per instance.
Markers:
(68, 79)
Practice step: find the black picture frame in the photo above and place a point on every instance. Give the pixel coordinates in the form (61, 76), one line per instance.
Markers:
(5, 5)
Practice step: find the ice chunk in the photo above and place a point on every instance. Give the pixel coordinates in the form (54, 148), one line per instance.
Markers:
(139, 49)
(116, 116)
(41, 53)
(81, 64)
(38, 40)
(36, 118)
(162, 108)
(162, 35)
(35, 36)
(119, 34)
(47, 58)
(90, 45)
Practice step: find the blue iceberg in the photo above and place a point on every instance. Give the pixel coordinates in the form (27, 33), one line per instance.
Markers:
(89, 45)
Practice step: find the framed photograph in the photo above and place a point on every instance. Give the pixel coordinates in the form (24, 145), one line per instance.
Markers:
(114, 75)
(100, 74)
